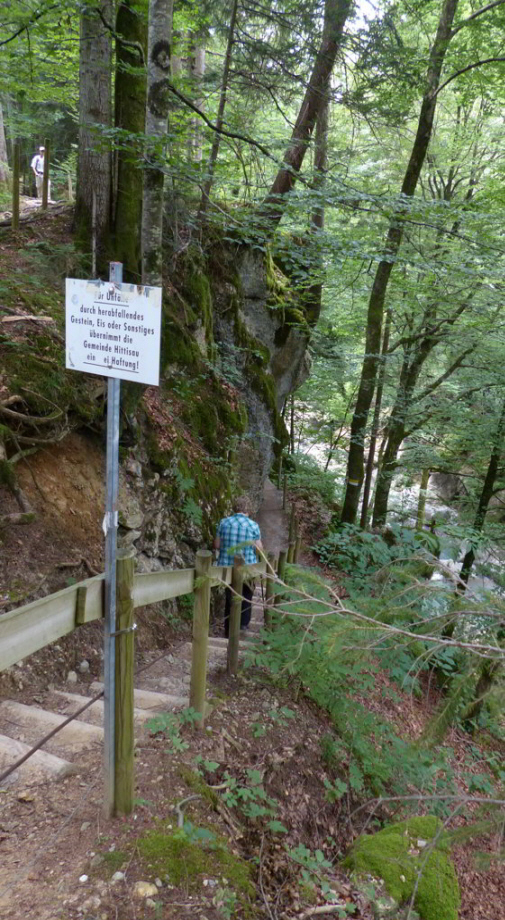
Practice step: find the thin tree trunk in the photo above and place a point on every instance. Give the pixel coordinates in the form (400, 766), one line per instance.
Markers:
(375, 423)
(485, 498)
(4, 167)
(207, 185)
(313, 299)
(292, 424)
(158, 104)
(272, 209)
(130, 114)
(94, 159)
(385, 267)
(421, 504)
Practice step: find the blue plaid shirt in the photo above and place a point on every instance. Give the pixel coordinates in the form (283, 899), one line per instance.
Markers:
(233, 532)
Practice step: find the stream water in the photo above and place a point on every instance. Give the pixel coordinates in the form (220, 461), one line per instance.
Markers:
(403, 509)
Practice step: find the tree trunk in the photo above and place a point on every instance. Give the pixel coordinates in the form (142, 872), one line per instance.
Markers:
(130, 111)
(207, 185)
(375, 423)
(197, 71)
(94, 159)
(385, 267)
(4, 167)
(485, 497)
(158, 104)
(313, 298)
(421, 504)
(272, 209)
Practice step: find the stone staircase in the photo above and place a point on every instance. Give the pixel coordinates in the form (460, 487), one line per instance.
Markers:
(164, 687)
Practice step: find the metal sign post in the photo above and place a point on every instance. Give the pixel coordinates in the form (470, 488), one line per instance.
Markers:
(110, 527)
(112, 329)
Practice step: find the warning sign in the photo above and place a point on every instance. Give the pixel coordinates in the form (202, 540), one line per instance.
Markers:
(113, 329)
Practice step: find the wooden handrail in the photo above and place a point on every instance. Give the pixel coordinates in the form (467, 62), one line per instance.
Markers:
(28, 629)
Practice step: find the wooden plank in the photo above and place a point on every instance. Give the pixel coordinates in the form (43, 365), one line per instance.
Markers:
(27, 629)
(151, 587)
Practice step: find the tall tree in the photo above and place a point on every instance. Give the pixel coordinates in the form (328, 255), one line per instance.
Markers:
(130, 114)
(207, 185)
(385, 267)
(272, 209)
(94, 185)
(158, 105)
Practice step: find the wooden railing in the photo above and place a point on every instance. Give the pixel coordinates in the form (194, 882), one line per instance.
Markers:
(30, 628)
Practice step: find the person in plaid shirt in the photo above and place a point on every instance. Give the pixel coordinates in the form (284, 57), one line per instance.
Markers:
(232, 533)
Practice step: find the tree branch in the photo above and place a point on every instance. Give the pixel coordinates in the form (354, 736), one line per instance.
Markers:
(28, 24)
(436, 383)
(483, 9)
(458, 73)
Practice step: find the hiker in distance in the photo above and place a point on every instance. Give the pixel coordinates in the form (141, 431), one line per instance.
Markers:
(232, 532)
(37, 165)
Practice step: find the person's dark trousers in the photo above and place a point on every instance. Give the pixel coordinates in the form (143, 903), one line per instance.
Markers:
(245, 615)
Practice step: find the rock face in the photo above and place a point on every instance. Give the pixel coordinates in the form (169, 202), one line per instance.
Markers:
(246, 326)
(264, 341)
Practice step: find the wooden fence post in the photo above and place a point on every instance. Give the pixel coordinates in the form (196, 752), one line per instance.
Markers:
(201, 614)
(45, 177)
(284, 492)
(237, 582)
(15, 185)
(298, 543)
(279, 475)
(291, 551)
(125, 649)
(292, 524)
(269, 590)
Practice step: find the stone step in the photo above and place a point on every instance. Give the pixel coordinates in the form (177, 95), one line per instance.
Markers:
(95, 713)
(30, 724)
(40, 767)
(150, 699)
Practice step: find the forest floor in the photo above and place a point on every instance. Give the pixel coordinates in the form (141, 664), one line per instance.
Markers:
(62, 860)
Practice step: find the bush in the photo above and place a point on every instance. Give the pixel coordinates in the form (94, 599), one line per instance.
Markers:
(308, 477)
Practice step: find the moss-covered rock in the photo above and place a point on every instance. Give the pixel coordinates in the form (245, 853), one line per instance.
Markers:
(410, 852)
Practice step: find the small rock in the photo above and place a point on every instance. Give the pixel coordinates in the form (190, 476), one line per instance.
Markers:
(96, 861)
(144, 890)
(84, 667)
(118, 877)
(85, 825)
(421, 843)
(150, 902)
(83, 878)
(71, 677)
(92, 903)
(158, 883)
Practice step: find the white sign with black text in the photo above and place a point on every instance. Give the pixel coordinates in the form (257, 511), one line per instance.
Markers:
(113, 329)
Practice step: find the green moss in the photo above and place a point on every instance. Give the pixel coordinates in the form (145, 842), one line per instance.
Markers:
(111, 862)
(195, 782)
(7, 476)
(394, 855)
(186, 861)
(277, 282)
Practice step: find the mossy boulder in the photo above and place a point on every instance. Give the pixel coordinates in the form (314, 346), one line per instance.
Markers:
(410, 852)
